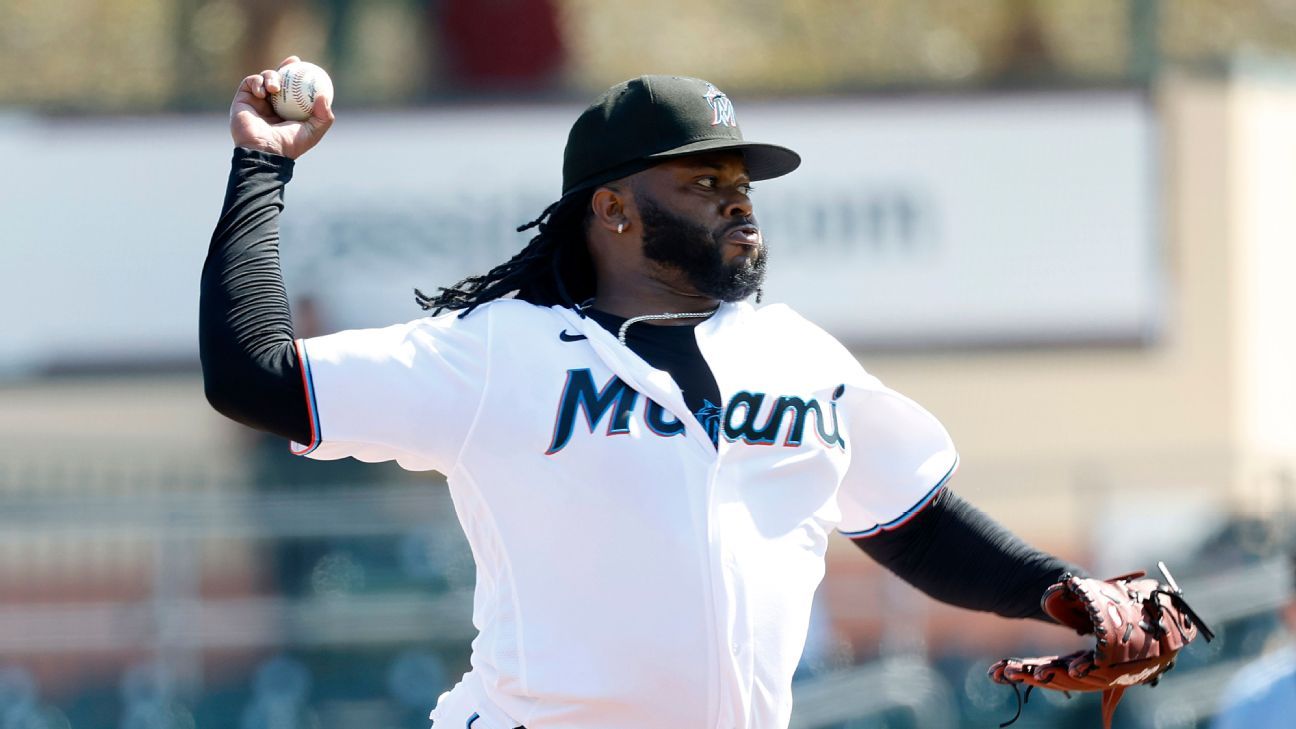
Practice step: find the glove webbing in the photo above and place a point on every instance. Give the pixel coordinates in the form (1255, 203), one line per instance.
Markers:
(1112, 696)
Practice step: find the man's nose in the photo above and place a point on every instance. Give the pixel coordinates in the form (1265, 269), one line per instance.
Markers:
(738, 206)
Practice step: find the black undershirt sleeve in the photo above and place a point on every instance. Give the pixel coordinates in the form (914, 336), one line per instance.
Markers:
(957, 554)
(245, 335)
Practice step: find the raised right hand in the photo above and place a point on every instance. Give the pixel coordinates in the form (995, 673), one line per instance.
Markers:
(253, 123)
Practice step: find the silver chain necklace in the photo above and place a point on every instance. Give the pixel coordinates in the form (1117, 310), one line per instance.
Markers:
(621, 334)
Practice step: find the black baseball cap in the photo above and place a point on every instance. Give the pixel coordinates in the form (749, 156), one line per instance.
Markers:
(646, 120)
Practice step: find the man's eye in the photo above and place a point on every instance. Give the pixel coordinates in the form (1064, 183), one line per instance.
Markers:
(707, 182)
(747, 189)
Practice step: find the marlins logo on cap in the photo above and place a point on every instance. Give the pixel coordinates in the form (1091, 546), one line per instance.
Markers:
(722, 111)
(646, 120)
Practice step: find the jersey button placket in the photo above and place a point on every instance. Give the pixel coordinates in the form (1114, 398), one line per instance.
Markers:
(723, 585)
(731, 594)
(731, 575)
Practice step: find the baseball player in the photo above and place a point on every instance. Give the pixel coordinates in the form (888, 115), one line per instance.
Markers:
(646, 466)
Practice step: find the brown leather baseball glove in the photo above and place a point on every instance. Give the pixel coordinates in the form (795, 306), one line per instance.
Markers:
(1139, 624)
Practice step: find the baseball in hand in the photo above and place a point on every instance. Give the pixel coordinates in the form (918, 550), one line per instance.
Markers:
(299, 83)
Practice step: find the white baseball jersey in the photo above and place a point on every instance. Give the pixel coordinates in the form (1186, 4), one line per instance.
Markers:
(630, 573)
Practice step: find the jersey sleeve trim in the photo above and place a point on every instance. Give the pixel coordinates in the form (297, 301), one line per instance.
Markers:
(904, 518)
(312, 410)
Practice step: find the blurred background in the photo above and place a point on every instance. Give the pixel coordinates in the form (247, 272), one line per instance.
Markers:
(1063, 226)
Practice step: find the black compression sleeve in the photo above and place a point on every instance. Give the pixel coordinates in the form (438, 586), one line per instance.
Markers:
(245, 336)
(955, 553)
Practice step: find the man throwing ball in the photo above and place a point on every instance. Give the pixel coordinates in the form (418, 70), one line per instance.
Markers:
(646, 466)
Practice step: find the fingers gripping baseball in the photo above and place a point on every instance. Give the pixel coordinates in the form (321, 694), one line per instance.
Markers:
(255, 123)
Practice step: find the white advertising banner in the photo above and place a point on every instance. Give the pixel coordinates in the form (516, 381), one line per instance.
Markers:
(960, 221)
(939, 222)
(1015, 220)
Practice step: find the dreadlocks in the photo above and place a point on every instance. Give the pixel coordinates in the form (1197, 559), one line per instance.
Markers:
(554, 268)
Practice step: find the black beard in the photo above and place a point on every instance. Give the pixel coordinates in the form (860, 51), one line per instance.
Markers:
(696, 252)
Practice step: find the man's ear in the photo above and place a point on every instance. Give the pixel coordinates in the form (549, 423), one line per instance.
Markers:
(609, 205)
